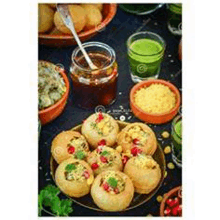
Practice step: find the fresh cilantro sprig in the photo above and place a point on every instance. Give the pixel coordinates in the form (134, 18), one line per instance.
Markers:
(105, 153)
(112, 182)
(70, 167)
(48, 197)
(80, 155)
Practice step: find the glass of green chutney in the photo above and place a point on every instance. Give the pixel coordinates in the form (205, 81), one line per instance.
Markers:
(176, 135)
(175, 18)
(145, 54)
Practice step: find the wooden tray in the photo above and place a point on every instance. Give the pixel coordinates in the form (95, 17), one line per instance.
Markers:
(138, 199)
(57, 39)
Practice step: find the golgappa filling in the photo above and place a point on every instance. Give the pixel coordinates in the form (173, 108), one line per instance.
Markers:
(78, 148)
(145, 162)
(102, 124)
(76, 172)
(137, 137)
(104, 157)
(112, 183)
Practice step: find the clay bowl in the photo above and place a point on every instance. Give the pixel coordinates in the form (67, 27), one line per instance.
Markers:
(138, 199)
(149, 117)
(49, 114)
(55, 38)
(170, 194)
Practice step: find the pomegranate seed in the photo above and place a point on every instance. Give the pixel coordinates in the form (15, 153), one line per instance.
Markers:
(103, 159)
(71, 150)
(94, 166)
(100, 117)
(125, 159)
(135, 151)
(169, 201)
(167, 211)
(179, 210)
(116, 190)
(136, 141)
(102, 142)
(175, 210)
(86, 174)
(174, 202)
(106, 186)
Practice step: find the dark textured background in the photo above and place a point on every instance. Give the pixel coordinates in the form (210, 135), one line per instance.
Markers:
(115, 35)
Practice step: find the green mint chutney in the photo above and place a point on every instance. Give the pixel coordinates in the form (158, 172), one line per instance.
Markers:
(145, 56)
(178, 128)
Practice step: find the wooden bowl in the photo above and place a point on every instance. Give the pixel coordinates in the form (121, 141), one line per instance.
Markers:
(138, 199)
(171, 193)
(52, 112)
(149, 117)
(58, 39)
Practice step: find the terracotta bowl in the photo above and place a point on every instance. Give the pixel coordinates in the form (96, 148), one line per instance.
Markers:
(55, 38)
(52, 112)
(154, 118)
(171, 193)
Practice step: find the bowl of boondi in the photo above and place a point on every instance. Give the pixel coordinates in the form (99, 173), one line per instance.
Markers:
(155, 101)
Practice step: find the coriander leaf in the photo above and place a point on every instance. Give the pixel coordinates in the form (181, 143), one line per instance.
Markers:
(47, 196)
(80, 155)
(62, 208)
(52, 189)
(92, 124)
(112, 182)
(104, 153)
(70, 167)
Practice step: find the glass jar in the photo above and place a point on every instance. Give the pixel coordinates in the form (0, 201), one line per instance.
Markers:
(94, 87)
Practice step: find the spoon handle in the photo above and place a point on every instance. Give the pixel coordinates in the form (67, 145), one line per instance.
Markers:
(64, 12)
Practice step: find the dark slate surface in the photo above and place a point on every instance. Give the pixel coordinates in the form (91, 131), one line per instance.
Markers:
(115, 34)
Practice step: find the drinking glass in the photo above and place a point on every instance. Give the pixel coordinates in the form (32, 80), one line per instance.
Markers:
(176, 135)
(175, 18)
(145, 54)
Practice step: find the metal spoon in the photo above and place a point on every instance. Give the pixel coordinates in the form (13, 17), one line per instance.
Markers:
(64, 12)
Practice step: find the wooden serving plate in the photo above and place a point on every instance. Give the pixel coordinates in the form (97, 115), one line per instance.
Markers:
(56, 38)
(138, 199)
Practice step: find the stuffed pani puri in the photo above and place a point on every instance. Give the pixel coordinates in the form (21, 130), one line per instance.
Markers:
(100, 128)
(104, 158)
(69, 144)
(136, 138)
(112, 191)
(93, 15)
(99, 6)
(54, 5)
(45, 18)
(74, 177)
(78, 15)
(144, 172)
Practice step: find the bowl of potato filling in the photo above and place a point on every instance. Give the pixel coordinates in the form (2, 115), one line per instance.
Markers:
(155, 101)
(53, 90)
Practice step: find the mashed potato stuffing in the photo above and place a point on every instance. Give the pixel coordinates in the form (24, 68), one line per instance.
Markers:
(156, 98)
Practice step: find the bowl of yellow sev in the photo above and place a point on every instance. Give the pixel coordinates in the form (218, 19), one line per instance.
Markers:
(155, 101)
